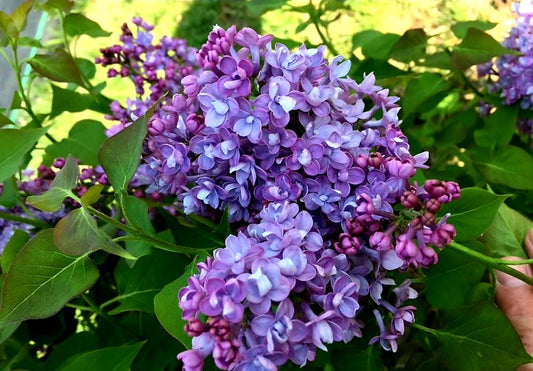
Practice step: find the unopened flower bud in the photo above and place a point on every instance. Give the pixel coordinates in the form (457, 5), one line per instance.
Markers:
(375, 159)
(194, 327)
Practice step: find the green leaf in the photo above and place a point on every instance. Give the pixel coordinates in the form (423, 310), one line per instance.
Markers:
(479, 337)
(5, 121)
(421, 89)
(20, 15)
(83, 142)
(499, 127)
(61, 187)
(505, 236)
(460, 29)
(8, 29)
(14, 144)
(87, 67)
(511, 166)
(12, 248)
(374, 44)
(92, 195)
(16, 101)
(57, 66)
(77, 24)
(65, 100)
(77, 234)
(410, 47)
(139, 285)
(256, 8)
(476, 48)
(439, 60)
(136, 212)
(41, 280)
(368, 359)
(64, 6)
(473, 212)
(166, 305)
(70, 348)
(455, 274)
(110, 358)
(10, 193)
(120, 154)
(190, 231)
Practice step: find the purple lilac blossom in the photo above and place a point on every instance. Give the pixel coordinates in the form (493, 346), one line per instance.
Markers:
(312, 164)
(511, 75)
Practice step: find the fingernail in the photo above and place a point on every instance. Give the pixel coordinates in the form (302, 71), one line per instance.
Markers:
(510, 281)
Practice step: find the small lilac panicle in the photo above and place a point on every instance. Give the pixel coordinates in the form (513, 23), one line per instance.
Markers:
(316, 170)
(511, 76)
(154, 68)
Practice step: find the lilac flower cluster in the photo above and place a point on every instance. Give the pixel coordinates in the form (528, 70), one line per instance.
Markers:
(317, 166)
(514, 73)
(155, 69)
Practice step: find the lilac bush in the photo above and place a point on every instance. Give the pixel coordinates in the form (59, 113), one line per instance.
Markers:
(315, 168)
(511, 75)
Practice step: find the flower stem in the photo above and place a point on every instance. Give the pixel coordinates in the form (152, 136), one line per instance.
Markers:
(495, 263)
(20, 219)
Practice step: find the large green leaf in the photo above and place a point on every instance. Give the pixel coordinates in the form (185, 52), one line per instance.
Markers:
(511, 166)
(139, 285)
(77, 24)
(374, 44)
(14, 144)
(410, 47)
(460, 29)
(166, 305)
(505, 235)
(473, 212)
(57, 66)
(78, 234)
(498, 129)
(41, 280)
(455, 274)
(479, 337)
(65, 100)
(61, 187)
(120, 154)
(421, 89)
(83, 142)
(110, 358)
(477, 47)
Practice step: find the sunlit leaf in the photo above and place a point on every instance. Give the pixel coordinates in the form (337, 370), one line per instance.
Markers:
(410, 47)
(477, 47)
(77, 24)
(57, 66)
(460, 29)
(92, 195)
(41, 280)
(14, 144)
(8, 29)
(83, 142)
(20, 15)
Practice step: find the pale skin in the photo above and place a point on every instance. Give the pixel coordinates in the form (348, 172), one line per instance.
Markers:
(515, 298)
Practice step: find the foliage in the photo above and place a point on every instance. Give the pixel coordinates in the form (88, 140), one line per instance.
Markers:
(93, 260)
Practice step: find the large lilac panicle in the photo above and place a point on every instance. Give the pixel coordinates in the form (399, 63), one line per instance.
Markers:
(278, 291)
(512, 75)
(259, 124)
(154, 69)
